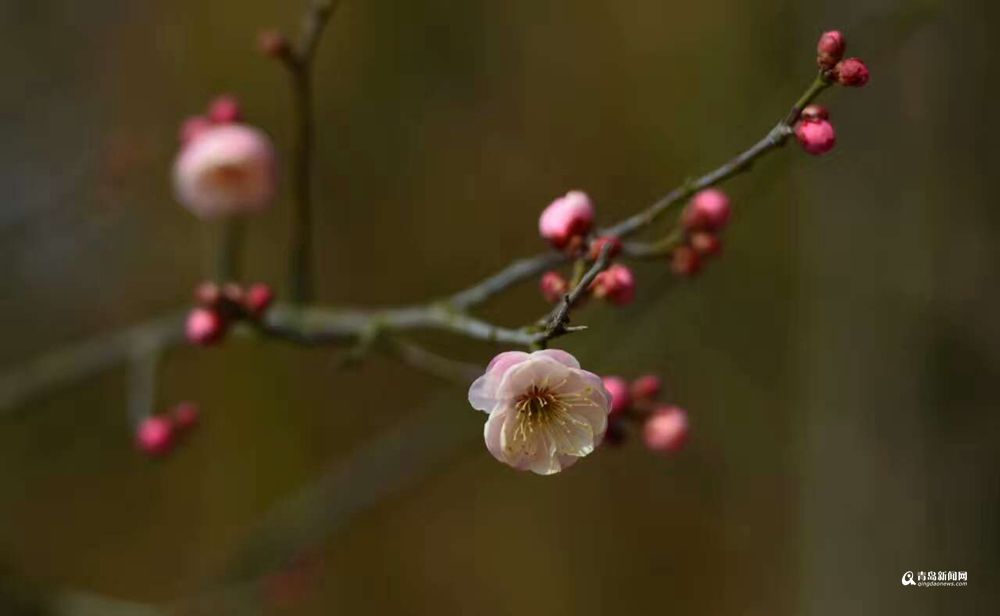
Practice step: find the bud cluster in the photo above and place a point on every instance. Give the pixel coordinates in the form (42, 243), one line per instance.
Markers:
(664, 427)
(830, 50)
(704, 218)
(218, 306)
(567, 224)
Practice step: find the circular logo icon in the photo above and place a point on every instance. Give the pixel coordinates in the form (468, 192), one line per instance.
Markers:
(908, 579)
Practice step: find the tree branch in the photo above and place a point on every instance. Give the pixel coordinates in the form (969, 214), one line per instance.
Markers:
(320, 326)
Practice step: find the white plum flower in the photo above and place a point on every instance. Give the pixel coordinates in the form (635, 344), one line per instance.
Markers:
(226, 169)
(545, 411)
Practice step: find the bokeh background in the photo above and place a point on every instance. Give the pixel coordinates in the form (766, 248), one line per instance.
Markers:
(840, 362)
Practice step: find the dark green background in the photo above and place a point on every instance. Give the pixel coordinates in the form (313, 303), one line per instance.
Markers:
(840, 361)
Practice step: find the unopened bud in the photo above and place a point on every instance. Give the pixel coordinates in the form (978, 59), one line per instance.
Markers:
(225, 109)
(155, 436)
(708, 210)
(259, 298)
(646, 387)
(684, 261)
(204, 327)
(185, 416)
(273, 44)
(597, 246)
(615, 284)
(830, 49)
(815, 112)
(553, 287)
(666, 430)
(816, 136)
(705, 244)
(621, 399)
(851, 72)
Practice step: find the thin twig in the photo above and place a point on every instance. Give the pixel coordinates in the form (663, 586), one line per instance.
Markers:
(559, 318)
(300, 64)
(438, 365)
(70, 364)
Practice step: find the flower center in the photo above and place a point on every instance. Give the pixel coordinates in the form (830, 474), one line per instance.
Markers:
(538, 403)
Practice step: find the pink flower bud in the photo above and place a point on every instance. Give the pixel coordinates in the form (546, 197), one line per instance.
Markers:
(816, 136)
(193, 127)
(621, 399)
(815, 112)
(225, 109)
(273, 44)
(229, 169)
(155, 436)
(204, 327)
(684, 261)
(666, 430)
(615, 284)
(709, 210)
(185, 416)
(565, 218)
(599, 243)
(553, 287)
(830, 48)
(233, 293)
(851, 72)
(646, 387)
(208, 294)
(259, 298)
(705, 244)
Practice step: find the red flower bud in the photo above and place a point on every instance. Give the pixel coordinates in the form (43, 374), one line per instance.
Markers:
(815, 112)
(830, 48)
(273, 44)
(185, 416)
(709, 210)
(816, 136)
(684, 261)
(615, 284)
(646, 387)
(155, 436)
(553, 287)
(259, 298)
(208, 294)
(705, 244)
(851, 72)
(621, 399)
(224, 110)
(599, 243)
(204, 327)
(666, 430)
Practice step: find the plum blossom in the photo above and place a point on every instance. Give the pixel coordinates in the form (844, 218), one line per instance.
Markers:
(225, 169)
(545, 412)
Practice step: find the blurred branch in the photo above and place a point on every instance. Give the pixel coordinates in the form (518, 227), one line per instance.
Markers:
(71, 364)
(300, 64)
(438, 365)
